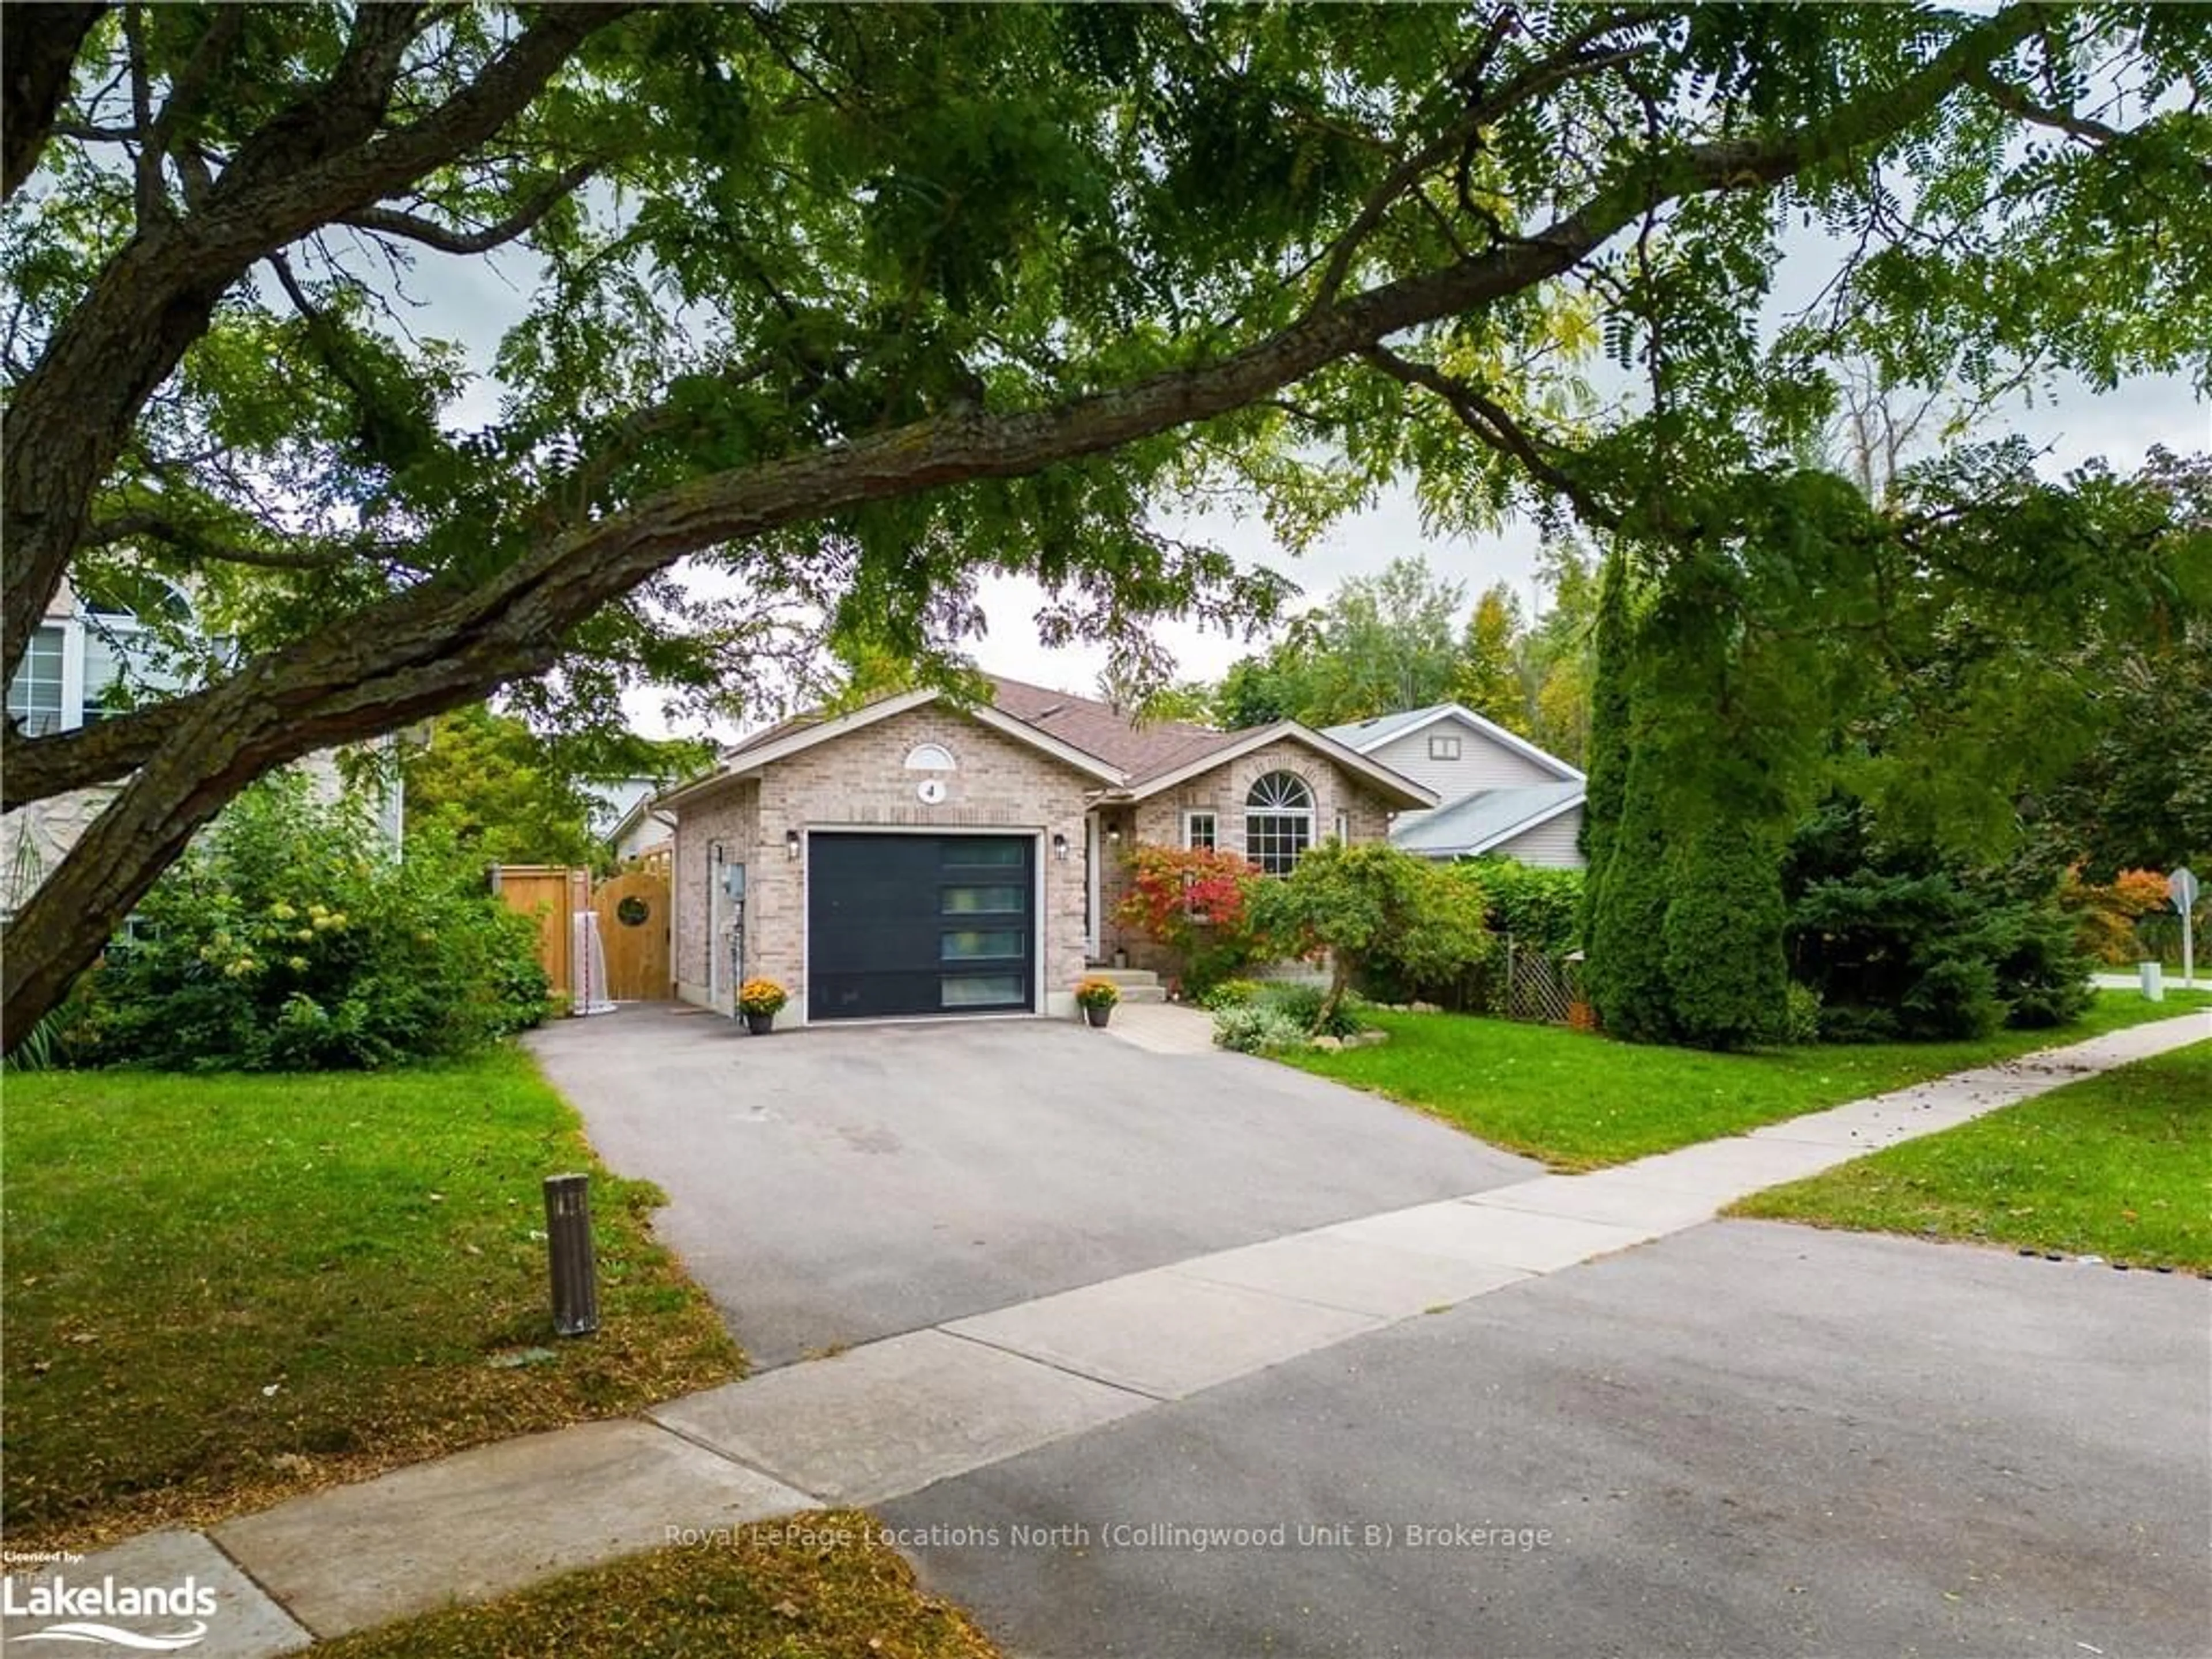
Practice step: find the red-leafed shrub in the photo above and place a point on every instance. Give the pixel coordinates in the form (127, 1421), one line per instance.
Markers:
(1196, 904)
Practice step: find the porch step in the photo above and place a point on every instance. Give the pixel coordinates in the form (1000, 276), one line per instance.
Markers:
(1135, 984)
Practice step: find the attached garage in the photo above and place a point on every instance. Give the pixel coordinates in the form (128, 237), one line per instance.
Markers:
(927, 923)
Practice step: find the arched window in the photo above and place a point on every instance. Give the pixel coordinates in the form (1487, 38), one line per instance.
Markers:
(929, 757)
(1279, 821)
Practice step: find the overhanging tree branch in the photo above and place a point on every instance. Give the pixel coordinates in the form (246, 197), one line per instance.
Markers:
(195, 541)
(448, 640)
(2016, 102)
(1488, 420)
(313, 164)
(445, 238)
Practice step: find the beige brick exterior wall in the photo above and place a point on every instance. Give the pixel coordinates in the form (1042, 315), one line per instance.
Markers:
(1157, 821)
(729, 816)
(859, 782)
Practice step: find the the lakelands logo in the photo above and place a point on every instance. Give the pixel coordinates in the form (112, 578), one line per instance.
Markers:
(84, 1609)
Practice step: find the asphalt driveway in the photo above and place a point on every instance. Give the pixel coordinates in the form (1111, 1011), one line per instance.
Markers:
(832, 1186)
(1745, 1439)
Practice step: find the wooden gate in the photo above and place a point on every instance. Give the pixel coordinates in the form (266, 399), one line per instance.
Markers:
(634, 924)
(548, 894)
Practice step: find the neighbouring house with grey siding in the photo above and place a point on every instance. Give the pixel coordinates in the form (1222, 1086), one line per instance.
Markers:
(1497, 792)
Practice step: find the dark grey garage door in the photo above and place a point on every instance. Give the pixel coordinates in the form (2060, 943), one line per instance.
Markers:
(919, 925)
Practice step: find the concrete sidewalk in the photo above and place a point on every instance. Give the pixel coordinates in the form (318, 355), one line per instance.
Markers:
(890, 1418)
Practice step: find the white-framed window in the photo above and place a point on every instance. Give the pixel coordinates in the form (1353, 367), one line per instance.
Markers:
(1199, 831)
(79, 669)
(1343, 828)
(36, 701)
(1279, 822)
(1444, 745)
(930, 757)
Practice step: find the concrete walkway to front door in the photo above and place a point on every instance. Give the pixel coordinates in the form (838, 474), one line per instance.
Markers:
(890, 1418)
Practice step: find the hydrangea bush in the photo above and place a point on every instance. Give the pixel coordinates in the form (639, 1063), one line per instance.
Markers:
(288, 938)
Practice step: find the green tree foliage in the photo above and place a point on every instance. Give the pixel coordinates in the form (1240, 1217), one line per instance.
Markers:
(1612, 710)
(1487, 677)
(1260, 691)
(1373, 906)
(855, 307)
(489, 784)
(1556, 659)
(485, 782)
(1726, 978)
(1538, 908)
(1378, 643)
(1901, 942)
(285, 941)
(1626, 974)
(2142, 793)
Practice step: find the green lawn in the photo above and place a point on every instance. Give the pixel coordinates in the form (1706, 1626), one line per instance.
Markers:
(2119, 1165)
(820, 1586)
(220, 1289)
(1579, 1101)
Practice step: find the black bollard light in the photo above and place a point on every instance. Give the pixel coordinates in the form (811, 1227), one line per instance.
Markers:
(568, 1245)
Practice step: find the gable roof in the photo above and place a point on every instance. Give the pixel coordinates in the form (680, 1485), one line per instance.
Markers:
(1474, 823)
(1398, 789)
(1369, 735)
(1133, 761)
(802, 731)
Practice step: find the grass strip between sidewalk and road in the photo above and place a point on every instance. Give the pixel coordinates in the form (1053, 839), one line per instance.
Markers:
(817, 1586)
(1579, 1101)
(2119, 1165)
(223, 1290)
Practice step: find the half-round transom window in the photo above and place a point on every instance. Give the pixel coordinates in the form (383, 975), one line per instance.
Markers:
(1278, 819)
(930, 757)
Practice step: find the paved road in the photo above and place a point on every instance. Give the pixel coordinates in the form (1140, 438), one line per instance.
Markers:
(1746, 1439)
(832, 1187)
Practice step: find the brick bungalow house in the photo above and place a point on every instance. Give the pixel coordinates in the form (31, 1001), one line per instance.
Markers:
(914, 858)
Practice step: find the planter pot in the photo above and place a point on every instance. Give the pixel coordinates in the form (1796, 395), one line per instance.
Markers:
(760, 1024)
(1120, 958)
(1098, 1015)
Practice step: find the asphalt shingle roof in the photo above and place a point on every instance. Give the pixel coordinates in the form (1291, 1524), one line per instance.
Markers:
(1098, 728)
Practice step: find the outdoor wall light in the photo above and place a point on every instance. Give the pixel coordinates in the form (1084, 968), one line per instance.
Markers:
(1059, 847)
(791, 843)
(1114, 834)
(713, 852)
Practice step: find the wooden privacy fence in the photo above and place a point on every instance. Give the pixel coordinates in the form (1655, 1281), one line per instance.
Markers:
(633, 908)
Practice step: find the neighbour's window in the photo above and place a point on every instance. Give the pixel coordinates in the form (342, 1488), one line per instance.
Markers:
(1443, 748)
(1198, 832)
(35, 695)
(1279, 822)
